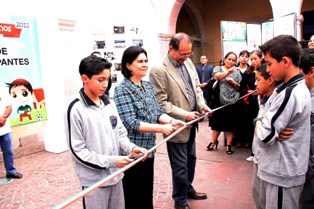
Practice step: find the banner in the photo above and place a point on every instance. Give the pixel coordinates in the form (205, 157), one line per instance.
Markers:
(233, 31)
(267, 31)
(20, 70)
(233, 37)
(254, 36)
(233, 46)
(286, 25)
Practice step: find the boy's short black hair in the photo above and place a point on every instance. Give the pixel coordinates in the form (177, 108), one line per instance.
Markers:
(93, 65)
(307, 60)
(263, 71)
(283, 45)
(96, 53)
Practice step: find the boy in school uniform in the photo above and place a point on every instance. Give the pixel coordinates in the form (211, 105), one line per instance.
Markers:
(307, 68)
(265, 86)
(96, 136)
(281, 164)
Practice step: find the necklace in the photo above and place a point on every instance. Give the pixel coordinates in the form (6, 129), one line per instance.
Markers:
(141, 87)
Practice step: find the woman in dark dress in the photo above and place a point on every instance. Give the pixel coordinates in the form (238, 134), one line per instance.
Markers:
(250, 111)
(248, 106)
(224, 120)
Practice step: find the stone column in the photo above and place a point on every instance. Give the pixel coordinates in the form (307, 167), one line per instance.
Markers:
(300, 20)
(164, 40)
(285, 7)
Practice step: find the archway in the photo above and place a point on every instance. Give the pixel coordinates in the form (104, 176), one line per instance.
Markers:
(185, 17)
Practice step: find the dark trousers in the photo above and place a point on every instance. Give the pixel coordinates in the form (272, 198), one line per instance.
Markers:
(246, 113)
(182, 157)
(308, 193)
(7, 152)
(205, 93)
(138, 183)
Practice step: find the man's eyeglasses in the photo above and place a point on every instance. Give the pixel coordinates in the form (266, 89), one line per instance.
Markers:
(185, 55)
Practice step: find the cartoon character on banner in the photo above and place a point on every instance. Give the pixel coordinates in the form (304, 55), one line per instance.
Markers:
(24, 101)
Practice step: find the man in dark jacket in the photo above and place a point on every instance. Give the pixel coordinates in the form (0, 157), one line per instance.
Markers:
(204, 71)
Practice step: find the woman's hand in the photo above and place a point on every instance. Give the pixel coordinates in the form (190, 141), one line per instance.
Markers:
(167, 129)
(232, 82)
(177, 123)
(231, 70)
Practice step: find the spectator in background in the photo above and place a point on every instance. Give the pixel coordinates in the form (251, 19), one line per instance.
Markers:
(311, 42)
(225, 120)
(143, 117)
(177, 88)
(6, 135)
(248, 106)
(204, 71)
(243, 67)
(307, 68)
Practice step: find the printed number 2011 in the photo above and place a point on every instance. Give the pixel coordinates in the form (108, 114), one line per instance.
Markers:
(22, 24)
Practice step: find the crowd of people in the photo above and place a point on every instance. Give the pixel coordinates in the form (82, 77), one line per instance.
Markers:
(263, 104)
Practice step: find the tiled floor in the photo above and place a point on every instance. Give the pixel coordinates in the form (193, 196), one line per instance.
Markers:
(49, 179)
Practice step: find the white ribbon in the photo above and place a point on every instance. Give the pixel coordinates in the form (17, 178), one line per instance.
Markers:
(94, 186)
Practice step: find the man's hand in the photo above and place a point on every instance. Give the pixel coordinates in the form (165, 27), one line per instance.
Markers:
(202, 85)
(2, 121)
(206, 110)
(195, 115)
(192, 116)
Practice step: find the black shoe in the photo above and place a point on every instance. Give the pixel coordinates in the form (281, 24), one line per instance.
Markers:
(14, 176)
(197, 196)
(186, 206)
(238, 145)
(212, 145)
(229, 150)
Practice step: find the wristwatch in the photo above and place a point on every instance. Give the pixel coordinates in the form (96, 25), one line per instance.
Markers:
(255, 120)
